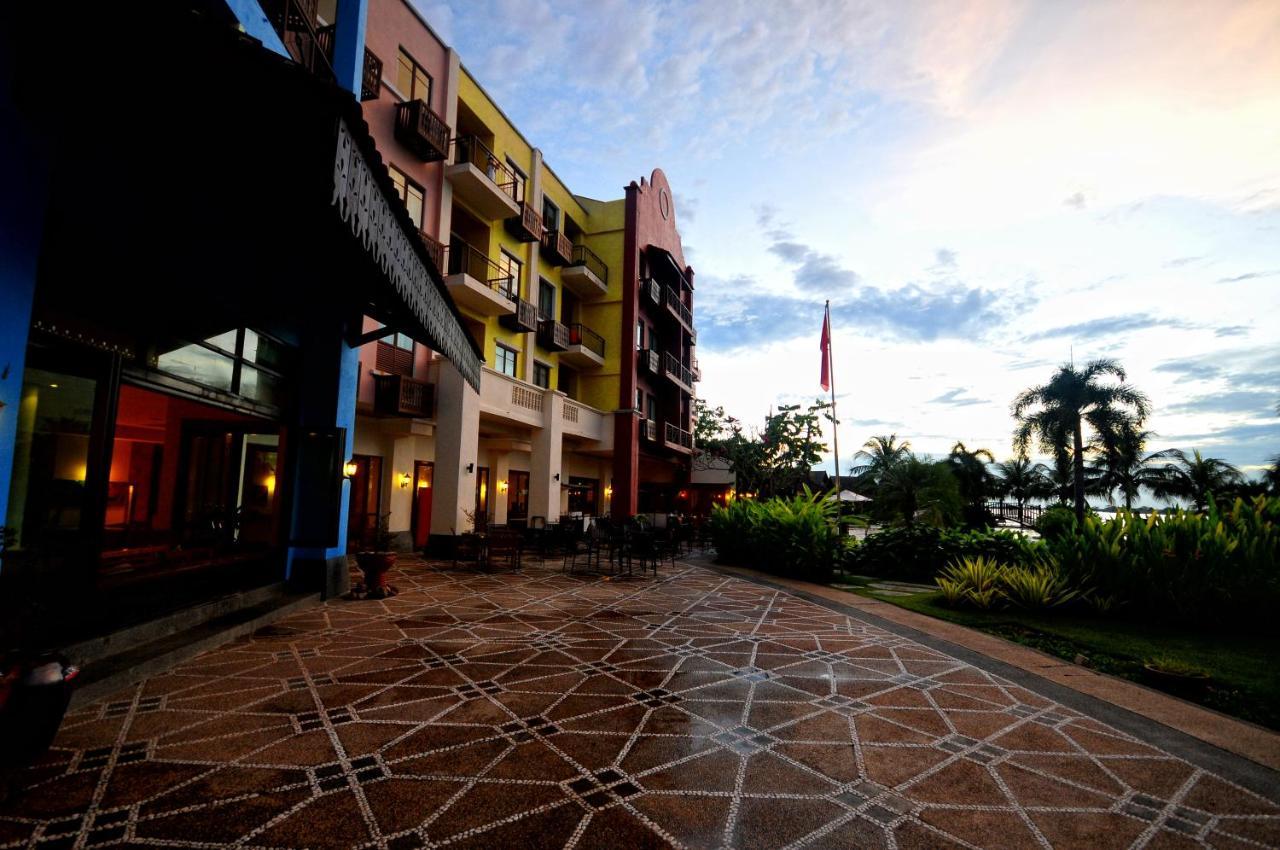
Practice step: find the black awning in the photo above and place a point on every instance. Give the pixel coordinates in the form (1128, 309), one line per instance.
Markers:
(664, 266)
(197, 175)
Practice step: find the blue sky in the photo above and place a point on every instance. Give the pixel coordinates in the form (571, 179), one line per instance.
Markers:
(981, 189)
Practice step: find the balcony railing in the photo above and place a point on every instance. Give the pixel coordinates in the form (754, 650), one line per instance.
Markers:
(552, 335)
(463, 259)
(695, 371)
(584, 256)
(677, 307)
(580, 334)
(524, 319)
(399, 395)
(472, 150)
(526, 227)
(435, 250)
(295, 22)
(370, 73)
(677, 436)
(650, 361)
(556, 247)
(676, 370)
(422, 131)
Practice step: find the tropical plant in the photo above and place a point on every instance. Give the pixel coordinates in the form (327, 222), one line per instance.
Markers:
(1072, 401)
(1037, 587)
(1195, 478)
(878, 455)
(796, 536)
(920, 551)
(918, 489)
(979, 578)
(1021, 480)
(1272, 476)
(1122, 467)
(1056, 522)
(974, 481)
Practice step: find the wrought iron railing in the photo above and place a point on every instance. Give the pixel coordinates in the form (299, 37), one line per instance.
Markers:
(370, 72)
(470, 149)
(584, 256)
(464, 259)
(580, 334)
(422, 131)
(673, 302)
(677, 436)
(676, 370)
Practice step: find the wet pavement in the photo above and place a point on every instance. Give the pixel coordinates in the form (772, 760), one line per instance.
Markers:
(539, 710)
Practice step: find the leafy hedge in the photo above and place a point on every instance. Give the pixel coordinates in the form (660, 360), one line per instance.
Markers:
(795, 537)
(918, 552)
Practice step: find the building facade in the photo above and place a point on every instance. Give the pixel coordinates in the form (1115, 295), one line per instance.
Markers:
(582, 310)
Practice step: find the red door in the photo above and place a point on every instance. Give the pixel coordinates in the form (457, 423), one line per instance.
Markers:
(420, 518)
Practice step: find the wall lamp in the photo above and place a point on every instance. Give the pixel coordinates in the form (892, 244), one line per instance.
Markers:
(557, 476)
(502, 486)
(404, 479)
(349, 469)
(471, 467)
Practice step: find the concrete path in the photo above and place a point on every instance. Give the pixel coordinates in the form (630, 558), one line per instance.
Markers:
(537, 710)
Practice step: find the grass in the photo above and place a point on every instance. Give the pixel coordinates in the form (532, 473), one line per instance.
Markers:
(1245, 677)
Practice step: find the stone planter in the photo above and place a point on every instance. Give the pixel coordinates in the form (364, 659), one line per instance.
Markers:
(1189, 685)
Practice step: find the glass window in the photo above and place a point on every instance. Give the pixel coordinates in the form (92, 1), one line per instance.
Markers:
(550, 214)
(412, 81)
(505, 360)
(639, 335)
(542, 375)
(653, 408)
(546, 300)
(639, 399)
(510, 269)
(264, 351)
(196, 363)
(402, 341)
(260, 386)
(411, 193)
(520, 178)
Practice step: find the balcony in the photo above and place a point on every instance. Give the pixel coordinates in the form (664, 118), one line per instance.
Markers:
(585, 349)
(422, 131)
(477, 283)
(552, 335)
(677, 372)
(295, 22)
(435, 250)
(649, 361)
(677, 308)
(649, 430)
(677, 438)
(482, 181)
(525, 318)
(695, 371)
(556, 248)
(399, 395)
(526, 224)
(370, 74)
(586, 275)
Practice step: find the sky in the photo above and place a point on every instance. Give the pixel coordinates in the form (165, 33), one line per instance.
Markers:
(983, 191)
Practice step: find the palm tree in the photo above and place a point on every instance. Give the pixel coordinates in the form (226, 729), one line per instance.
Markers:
(878, 455)
(1272, 476)
(1023, 480)
(1195, 478)
(915, 487)
(1073, 400)
(1123, 466)
(973, 477)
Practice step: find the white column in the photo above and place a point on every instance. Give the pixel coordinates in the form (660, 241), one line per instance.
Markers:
(545, 463)
(400, 500)
(457, 445)
(499, 485)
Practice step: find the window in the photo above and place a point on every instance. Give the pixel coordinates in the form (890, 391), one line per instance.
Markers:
(550, 214)
(402, 341)
(542, 375)
(413, 82)
(639, 336)
(511, 269)
(546, 299)
(411, 193)
(505, 360)
(240, 361)
(653, 408)
(520, 178)
(639, 399)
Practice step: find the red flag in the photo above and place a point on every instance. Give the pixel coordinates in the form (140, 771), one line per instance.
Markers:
(826, 351)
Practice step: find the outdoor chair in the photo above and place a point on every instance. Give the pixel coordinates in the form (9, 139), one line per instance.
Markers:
(505, 547)
(643, 548)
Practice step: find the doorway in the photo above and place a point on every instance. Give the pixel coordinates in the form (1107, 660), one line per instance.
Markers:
(420, 516)
(366, 500)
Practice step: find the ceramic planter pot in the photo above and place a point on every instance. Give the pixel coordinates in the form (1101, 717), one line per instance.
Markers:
(375, 566)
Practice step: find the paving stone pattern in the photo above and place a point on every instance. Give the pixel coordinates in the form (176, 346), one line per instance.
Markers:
(537, 710)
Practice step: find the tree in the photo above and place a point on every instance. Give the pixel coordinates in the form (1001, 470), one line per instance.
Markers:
(1123, 467)
(974, 479)
(877, 456)
(772, 461)
(916, 488)
(1058, 413)
(1022, 480)
(1195, 478)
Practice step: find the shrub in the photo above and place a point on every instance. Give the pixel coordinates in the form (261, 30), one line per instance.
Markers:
(1056, 523)
(795, 537)
(1036, 587)
(919, 551)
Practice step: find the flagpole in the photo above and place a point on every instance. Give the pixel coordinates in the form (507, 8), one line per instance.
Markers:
(835, 420)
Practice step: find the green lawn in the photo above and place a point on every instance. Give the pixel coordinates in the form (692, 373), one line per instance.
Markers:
(1245, 668)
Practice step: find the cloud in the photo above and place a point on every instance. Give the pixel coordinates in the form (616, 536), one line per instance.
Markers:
(822, 273)
(1106, 327)
(792, 252)
(1075, 201)
(952, 397)
(1194, 369)
(1232, 330)
(915, 313)
(1179, 262)
(1236, 401)
(1241, 278)
(944, 260)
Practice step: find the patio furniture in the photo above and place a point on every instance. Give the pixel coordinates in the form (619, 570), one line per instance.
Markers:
(505, 546)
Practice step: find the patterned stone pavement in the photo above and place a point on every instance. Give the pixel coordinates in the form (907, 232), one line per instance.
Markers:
(539, 710)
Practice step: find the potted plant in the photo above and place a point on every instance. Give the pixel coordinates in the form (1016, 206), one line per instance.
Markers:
(1175, 676)
(376, 560)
